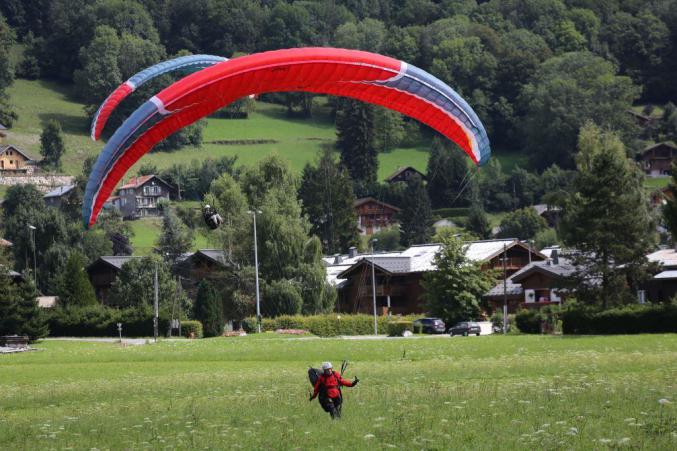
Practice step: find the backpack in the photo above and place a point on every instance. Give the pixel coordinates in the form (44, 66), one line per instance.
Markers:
(313, 375)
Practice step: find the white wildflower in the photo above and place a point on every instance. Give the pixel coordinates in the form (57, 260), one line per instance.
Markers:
(664, 402)
(369, 436)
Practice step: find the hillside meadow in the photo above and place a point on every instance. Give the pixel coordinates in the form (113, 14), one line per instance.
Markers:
(495, 392)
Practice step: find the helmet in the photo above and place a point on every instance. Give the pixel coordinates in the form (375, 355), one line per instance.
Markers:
(326, 366)
(206, 207)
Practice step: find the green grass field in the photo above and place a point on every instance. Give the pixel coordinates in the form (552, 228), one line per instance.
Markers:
(515, 392)
(146, 233)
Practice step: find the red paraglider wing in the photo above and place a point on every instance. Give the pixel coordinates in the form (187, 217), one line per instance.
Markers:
(361, 75)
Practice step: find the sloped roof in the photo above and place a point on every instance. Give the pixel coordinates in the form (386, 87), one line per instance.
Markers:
(365, 200)
(60, 191)
(115, 261)
(663, 143)
(5, 148)
(666, 275)
(2, 127)
(136, 182)
(400, 170)
(216, 255)
(542, 208)
(546, 267)
(665, 257)
(5, 243)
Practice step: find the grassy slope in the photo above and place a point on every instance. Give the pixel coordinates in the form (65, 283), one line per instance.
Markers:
(146, 232)
(516, 392)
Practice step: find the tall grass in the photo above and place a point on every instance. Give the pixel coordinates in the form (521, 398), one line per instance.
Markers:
(429, 393)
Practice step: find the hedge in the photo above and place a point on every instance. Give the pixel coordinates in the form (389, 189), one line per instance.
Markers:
(397, 328)
(326, 325)
(97, 321)
(635, 319)
(188, 327)
(528, 321)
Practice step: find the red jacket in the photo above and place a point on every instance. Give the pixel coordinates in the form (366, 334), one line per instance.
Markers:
(331, 383)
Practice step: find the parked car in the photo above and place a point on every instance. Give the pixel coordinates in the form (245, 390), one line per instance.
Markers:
(429, 325)
(465, 328)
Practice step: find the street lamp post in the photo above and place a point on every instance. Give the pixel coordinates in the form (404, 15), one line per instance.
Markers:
(256, 264)
(35, 266)
(373, 285)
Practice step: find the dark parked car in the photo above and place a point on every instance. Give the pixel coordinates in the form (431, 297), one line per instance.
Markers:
(465, 328)
(429, 325)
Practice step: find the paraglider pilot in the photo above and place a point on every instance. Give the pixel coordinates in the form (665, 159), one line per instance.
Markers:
(211, 217)
(328, 387)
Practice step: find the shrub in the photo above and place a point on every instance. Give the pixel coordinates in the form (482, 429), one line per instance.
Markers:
(98, 321)
(324, 325)
(188, 327)
(397, 328)
(528, 321)
(634, 319)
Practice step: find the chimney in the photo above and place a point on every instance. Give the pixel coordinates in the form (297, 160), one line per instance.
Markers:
(337, 259)
(555, 257)
(352, 252)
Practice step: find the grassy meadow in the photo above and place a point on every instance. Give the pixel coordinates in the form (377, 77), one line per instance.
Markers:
(515, 392)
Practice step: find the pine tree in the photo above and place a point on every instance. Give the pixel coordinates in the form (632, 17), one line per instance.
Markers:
(478, 221)
(208, 309)
(52, 146)
(9, 314)
(355, 132)
(326, 193)
(175, 238)
(31, 317)
(75, 289)
(446, 175)
(607, 217)
(416, 214)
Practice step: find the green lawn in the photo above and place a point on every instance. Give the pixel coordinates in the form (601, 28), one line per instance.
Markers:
(147, 231)
(515, 392)
(298, 140)
(656, 182)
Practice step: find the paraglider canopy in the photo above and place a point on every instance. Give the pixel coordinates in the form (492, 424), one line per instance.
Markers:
(351, 73)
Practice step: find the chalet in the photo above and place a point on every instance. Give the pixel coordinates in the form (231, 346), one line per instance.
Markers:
(15, 161)
(663, 285)
(550, 213)
(404, 174)
(56, 197)
(399, 274)
(374, 215)
(207, 264)
(104, 271)
(643, 120)
(538, 284)
(139, 197)
(656, 160)
(660, 196)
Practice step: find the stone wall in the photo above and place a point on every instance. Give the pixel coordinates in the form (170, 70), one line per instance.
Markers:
(44, 183)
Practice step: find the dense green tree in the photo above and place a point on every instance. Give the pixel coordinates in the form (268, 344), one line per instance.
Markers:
(282, 297)
(52, 145)
(639, 43)
(9, 314)
(492, 186)
(670, 207)
(416, 215)
(478, 221)
(387, 239)
(7, 113)
(175, 238)
(326, 193)
(523, 224)
(32, 320)
(234, 236)
(606, 219)
(134, 286)
(355, 140)
(446, 175)
(389, 129)
(100, 73)
(75, 289)
(453, 291)
(523, 186)
(567, 91)
(208, 309)
(369, 35)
